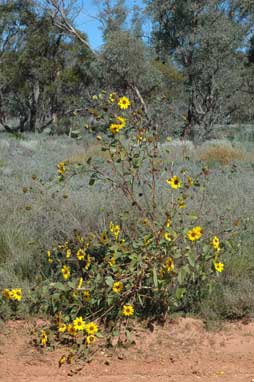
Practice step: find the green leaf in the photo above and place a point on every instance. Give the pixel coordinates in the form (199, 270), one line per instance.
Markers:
(180, 293)
(192, 260)
(60, 286)
(128, 335)
(109, 281)
(182, 274)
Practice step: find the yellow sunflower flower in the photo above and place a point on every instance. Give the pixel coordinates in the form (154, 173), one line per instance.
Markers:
(174, 182)
(117, 287)
(79, 324)
(167, 236)
(168, 223)
(80, 254)
(181, 203)
(61, 168)
(91, 328)
(121, 121)
(62, 328)
(68, 253)
(128, 310)
(80, 283)
(44, 338)
(189, 181)
(86, 295)
(16, 294)
(112, 261)
(116, 231)
(195, 233)
(90, 339)
(66, 272)
(71, 330)
(219, 267)
(216, 243)
(104, 238)
(112, 97)
(169, 264)
(6, 293)
(88, 262)
(50, 260)
(124, 103)
(115, 128)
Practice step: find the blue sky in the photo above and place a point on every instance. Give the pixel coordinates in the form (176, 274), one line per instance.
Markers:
(90, 26)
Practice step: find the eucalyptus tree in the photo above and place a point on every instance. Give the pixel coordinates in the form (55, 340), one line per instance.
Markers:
(203, 38)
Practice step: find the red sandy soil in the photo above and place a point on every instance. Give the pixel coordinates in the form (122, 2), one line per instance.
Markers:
(181, 351)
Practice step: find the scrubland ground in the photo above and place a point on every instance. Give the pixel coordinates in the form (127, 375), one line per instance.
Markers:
(182, 351)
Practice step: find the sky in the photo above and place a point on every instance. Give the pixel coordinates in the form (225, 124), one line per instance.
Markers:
(88, 24)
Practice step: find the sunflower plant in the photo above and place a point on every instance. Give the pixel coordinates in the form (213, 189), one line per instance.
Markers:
(101, 281)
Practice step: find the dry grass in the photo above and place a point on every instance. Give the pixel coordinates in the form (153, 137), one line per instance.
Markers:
(221, 152)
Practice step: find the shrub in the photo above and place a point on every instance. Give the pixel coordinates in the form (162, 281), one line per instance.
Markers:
(145, 269)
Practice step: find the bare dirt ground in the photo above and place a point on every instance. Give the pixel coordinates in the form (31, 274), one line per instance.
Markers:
(181, 351)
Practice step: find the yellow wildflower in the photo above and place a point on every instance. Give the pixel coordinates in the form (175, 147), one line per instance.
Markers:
(168, 223)
(6, 293)
(216, 243)
(66, 272)
(44, 338)
(112, 97)
(104, 238)
(174, 182)
(68, 253)
(195, 233)
(128, 310)
(115, 128)
(79, 324)
(169, 264)
(61, 168)
(80, 254)
(167, 236)
(219, 267)
(190, 181)
(16, 294)
(124, 103)
(71, 330)
(91, 328)
(80, 283)
(88, 262)
(121, 121)
(62, 328)
(116, 231)
(86, 295)
(62, 360)
(112, 261)
(181, 203)
(117, 287)
(50, 260)
(90, 339)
